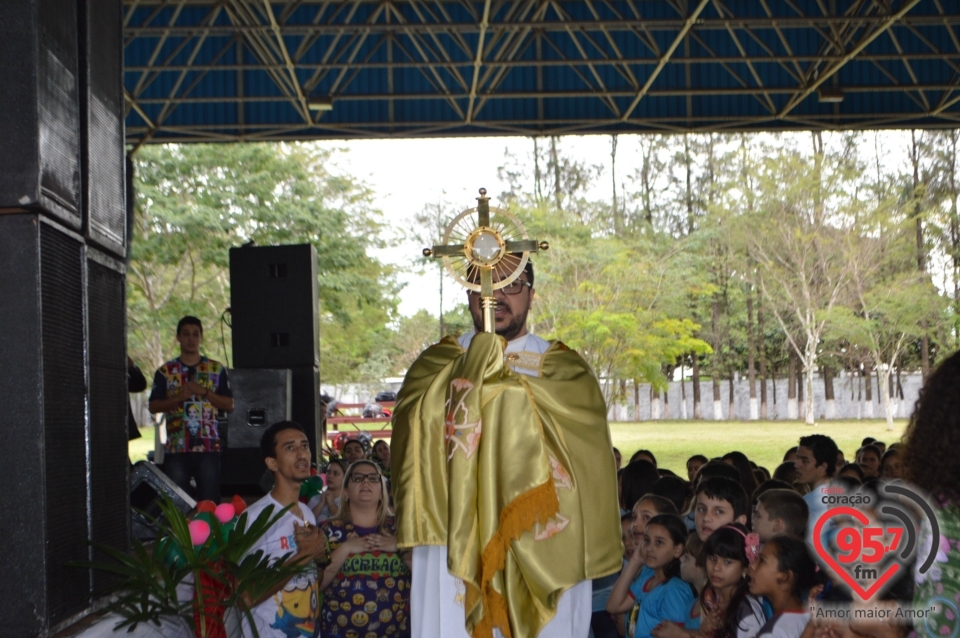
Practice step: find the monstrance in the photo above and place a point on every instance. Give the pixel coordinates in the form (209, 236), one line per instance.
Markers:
(474, 248)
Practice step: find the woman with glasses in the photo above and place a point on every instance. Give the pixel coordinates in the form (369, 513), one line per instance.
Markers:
(366, 584)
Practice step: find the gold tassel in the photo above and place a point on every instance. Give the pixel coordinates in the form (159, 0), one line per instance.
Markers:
(525, 511)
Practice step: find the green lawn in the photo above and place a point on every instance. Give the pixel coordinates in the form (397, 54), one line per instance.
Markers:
(764, 442)
(138, 448)
(673, 442)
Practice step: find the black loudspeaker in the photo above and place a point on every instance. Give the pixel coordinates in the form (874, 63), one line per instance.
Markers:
(273, 303)
(40, 118)
(108, 404)
(102, 130)
(241, 462)
(147, 487)
(260, 397)
(305, 406)
(43, 492)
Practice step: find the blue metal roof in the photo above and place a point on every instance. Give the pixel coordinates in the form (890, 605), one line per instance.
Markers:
(202, 70)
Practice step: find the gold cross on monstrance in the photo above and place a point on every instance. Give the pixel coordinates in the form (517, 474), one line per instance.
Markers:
(473, 250)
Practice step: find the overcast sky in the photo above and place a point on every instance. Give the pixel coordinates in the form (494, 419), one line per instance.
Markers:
(406, 175)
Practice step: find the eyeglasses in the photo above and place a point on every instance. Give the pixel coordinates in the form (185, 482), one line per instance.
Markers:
(369, 478)
(513, 288)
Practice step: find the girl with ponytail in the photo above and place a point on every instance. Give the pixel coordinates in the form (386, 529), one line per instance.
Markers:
(649, 586)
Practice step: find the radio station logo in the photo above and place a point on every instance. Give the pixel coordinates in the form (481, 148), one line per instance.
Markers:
(868, 539)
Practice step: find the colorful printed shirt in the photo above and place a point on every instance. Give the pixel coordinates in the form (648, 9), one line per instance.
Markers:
(370, 595)
(293, 611)
(193, 426)
(939, 587)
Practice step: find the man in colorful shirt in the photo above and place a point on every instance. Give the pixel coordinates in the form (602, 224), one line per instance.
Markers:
(190, 390)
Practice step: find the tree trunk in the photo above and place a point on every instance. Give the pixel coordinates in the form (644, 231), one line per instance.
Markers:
(557, 184)
(683, 393)
(921, 257)
(617, 219)
(654, 403)
(537, 175)
(801, 391)
(810, 360)
(883, 377)
(731, 402)
(697, 409)
(622, 396)
(763, 362)
(867, 393)
(792, 408)
(830, 410)
(716, 361)
(751, 359)
(666, 394)
(856, 393)
(636, 400)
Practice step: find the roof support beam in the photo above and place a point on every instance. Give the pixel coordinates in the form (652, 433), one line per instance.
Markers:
(295, 83)
(687, 25)
(826, 75)
(478, 60)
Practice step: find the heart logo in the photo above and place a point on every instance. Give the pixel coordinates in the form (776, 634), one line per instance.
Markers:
(837, 568)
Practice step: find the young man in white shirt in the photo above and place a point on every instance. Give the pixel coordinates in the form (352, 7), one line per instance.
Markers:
(292, 608)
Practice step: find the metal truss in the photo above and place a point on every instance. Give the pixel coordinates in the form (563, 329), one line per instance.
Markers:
(225, 70)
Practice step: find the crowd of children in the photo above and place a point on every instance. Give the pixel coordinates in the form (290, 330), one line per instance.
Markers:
(727, 552)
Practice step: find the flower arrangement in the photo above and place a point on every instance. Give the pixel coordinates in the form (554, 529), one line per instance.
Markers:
(197, 571)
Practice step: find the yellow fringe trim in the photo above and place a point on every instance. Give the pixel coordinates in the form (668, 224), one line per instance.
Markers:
(519, 516)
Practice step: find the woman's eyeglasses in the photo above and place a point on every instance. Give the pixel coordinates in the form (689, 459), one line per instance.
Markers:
(369, 478)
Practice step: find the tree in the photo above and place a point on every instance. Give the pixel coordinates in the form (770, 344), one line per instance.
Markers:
(892, 302)
(797, 238)
(194, 202)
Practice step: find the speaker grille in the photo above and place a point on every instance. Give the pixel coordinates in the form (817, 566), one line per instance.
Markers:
(108, 410)
(64, 408)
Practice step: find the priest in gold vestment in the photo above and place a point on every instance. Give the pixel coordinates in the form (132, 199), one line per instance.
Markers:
(504, 481)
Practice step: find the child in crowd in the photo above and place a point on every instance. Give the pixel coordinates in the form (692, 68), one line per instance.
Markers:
(675, 489)
(869, 459)
(890, 466)
(694, 463)
(602, 624)
(650, 586)
(786, 472)
(647, 507)
(695, 576)
(626, 535)
(780, 512)
(783, 573)
(638, 479)
(645, 455)
(719, 501)
(728, 609)
(329, 505)
(772, 484)
(852, 471)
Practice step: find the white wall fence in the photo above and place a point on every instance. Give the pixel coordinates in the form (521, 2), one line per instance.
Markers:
(849, 392)
(849, 403)
(846, 405)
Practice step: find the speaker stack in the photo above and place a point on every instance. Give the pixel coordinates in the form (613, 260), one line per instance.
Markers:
(275, 319)
(62, 321)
